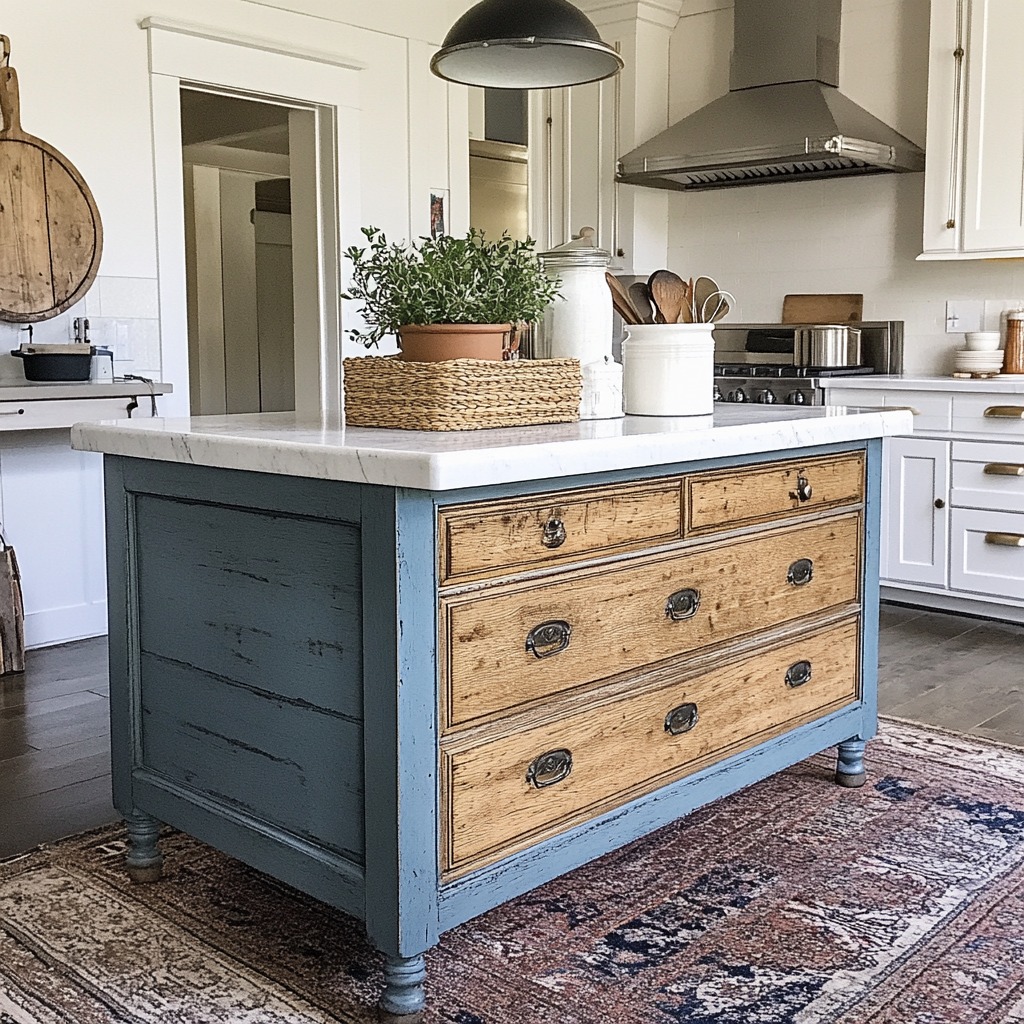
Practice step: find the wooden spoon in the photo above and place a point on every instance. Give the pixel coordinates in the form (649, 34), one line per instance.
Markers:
(640, 296)
(668, 292)
(621, 300)
(703, 289)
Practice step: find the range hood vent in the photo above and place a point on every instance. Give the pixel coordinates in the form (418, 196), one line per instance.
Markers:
(783, 119)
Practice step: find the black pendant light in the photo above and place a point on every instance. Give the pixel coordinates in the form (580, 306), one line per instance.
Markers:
(524, 44)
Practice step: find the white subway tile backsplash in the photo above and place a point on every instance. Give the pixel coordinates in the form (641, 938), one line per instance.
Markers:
(129, 297)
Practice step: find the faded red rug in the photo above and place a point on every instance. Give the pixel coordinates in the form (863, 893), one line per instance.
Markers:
(793, 902)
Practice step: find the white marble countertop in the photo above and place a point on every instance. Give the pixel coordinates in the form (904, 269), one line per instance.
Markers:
(41, 391)
(1007, 384)
(284, 444)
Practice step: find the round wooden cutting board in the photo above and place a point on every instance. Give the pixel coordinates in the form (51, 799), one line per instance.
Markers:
(50, 232)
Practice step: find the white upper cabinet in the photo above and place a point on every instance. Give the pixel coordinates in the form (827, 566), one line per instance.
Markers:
(974, 180)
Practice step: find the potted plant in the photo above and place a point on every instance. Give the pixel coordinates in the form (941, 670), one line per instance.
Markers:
(447, 298)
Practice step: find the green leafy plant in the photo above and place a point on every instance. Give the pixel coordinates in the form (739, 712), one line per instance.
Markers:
(446, 281)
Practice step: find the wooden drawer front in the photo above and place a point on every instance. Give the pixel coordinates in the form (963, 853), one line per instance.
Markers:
(989, 414)
(621, 747)
(742, 497)
(618, 618)
(987, 553)
(479, 540)
(988, 475)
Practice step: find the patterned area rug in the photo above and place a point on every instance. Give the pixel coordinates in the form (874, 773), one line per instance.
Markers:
(793, 902)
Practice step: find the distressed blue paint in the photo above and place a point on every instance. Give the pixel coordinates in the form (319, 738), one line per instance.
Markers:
(405, 985)
(850, 763)
(143, 859)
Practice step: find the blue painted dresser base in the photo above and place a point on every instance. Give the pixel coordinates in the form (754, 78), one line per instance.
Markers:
(274, 693)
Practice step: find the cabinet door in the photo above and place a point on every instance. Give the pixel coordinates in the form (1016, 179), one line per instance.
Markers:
(916, 533)
(994, 170)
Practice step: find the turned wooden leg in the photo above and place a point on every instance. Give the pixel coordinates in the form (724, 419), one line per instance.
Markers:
(405, 996)
(850, 764)
(144, 861)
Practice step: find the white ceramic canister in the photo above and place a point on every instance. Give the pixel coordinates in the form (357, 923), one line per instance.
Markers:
(668, 370)
(578, 324)
(602, 390)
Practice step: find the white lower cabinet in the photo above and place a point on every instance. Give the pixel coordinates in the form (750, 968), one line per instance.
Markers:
(916, 511)
(987, 553)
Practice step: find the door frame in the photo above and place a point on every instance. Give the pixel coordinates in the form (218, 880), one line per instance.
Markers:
(183, 55)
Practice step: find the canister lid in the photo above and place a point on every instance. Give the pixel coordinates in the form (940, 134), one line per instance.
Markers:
(578, 252)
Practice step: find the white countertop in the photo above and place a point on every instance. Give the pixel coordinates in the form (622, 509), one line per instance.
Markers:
(38, 391)
(284, 444)
(1007, 384)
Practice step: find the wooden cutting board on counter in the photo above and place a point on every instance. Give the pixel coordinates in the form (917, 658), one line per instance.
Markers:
(822, 309)
(50, 232)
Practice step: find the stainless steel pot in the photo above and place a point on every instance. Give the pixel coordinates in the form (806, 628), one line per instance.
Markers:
(828, 345)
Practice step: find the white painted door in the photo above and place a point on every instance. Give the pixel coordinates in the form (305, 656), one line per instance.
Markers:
(275, 319)
(916, 517)
(994, 171)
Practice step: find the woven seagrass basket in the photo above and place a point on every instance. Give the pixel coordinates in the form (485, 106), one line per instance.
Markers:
(460, 394)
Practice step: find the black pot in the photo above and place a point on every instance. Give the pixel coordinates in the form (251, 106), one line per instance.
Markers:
(56, 365)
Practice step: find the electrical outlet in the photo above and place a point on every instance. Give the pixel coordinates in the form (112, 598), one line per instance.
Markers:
(964, 315)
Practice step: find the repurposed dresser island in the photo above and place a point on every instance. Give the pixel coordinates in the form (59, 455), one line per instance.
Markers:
(415, 675)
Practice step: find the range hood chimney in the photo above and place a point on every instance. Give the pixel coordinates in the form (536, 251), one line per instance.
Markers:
(783, 119)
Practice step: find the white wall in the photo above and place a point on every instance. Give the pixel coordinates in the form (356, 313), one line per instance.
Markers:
(844, 235)
(84, 74)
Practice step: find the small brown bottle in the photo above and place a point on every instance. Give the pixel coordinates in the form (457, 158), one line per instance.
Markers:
(1013, 351)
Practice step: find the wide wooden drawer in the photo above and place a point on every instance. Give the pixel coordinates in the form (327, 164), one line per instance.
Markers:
(506, 792)
(987, 553)
(533, 640)
(989, 414)
(743, 497)
(988, 475)
(481, 540)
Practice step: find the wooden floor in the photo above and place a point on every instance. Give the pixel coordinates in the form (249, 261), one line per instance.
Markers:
(958, 673)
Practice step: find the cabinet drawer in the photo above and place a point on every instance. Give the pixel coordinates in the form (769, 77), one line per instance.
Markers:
(503, 793)
(481, 540)
(931, 410)
(743, 497)
(989, 414)
(534, 640)
(988, 475)
(987, 553)
(64, 412)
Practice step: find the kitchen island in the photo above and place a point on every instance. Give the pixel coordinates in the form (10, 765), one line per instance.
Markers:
(415, 675)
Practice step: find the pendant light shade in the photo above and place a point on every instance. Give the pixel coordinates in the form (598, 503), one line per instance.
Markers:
(524, 44)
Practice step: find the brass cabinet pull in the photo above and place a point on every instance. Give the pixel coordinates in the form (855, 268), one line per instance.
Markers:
(554, 533)
(683, 604)
(798, 674)
(903, 408)
(1005, 412)
(803, 491)
(681, 719)
(1003, 469)
(549, 638)
(549, 768)
(1005, 540)
(801, 572)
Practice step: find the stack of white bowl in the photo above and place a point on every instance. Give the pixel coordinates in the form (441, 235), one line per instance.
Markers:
(981, 355)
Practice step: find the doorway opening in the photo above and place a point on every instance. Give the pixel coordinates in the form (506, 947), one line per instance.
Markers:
(248, 260)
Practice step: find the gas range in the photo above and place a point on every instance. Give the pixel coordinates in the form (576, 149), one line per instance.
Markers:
(758, 362)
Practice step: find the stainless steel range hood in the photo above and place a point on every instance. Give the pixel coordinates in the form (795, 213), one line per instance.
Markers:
(783, 119)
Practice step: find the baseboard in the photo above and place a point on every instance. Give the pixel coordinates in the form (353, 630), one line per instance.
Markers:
(53, 626)
(958, 604)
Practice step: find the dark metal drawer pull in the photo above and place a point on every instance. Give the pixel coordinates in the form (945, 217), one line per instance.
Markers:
(1005, 412)
(554, 533)
(1005, 540)
(801, 572)
(798, 674)
(803, 491)
(681, 719)
(549, 768)
(548, 638)
(1003, 469)
(683, 604)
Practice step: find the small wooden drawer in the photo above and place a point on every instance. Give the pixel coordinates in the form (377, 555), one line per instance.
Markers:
(509, 791)
(988, 474)
(987, 552)
(989, 414)
(531, 641)
(744, 497)
(488, 539)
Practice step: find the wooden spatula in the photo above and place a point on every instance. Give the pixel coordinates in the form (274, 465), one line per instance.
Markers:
(668, 292)
(640, 296)
(621, 300)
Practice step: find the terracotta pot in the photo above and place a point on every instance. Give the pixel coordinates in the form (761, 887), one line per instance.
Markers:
(430, 343)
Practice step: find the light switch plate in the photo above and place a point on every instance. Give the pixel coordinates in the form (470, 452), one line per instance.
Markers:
(964, 315)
